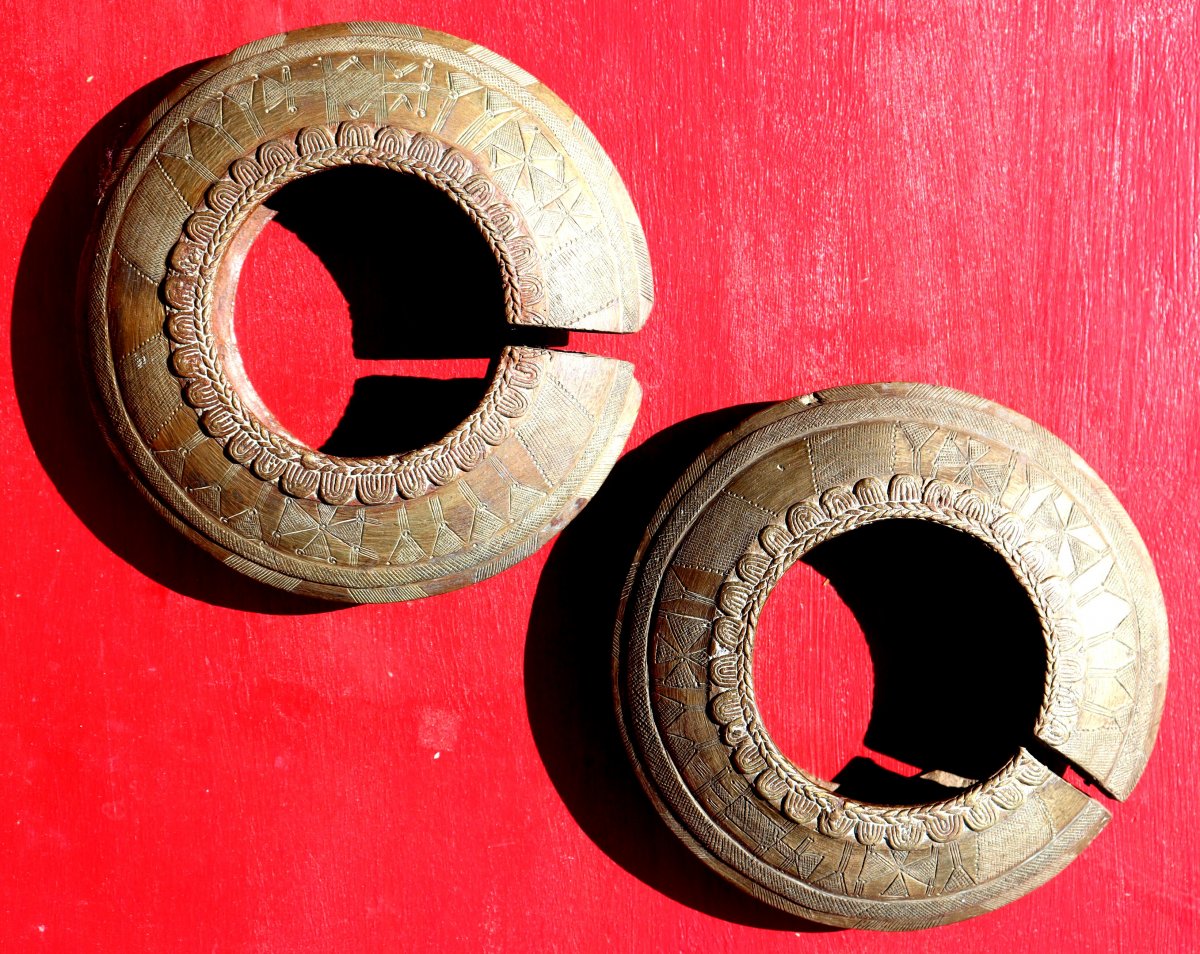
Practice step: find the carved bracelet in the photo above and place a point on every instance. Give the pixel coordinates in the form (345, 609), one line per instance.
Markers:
(804, 472)
(164, 259)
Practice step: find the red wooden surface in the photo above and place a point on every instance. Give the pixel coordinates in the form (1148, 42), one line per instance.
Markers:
(1002, 200)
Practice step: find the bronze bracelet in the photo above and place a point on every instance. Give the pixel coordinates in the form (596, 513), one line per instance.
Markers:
(813, 468)
(164, 260)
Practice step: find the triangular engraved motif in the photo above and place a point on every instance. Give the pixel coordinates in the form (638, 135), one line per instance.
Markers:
(242, 93)
(916, 434)
(178, 144)
(274, 93)
(484, 523)
(294, 519)
(950, 454)
(446, 541)
(834, 881)
(406, 550)
(349, 531)
(315, 547)
(242, 96)
(460, 85)
(212, 116)
(247, 523)
(208, 497)
(807, 863)
(674, 588)
(958, 880)
(1082, 555)
(522, 498)
(681, 677)
(494, 104)
(668, 709)
(686, 631)
(172, 462)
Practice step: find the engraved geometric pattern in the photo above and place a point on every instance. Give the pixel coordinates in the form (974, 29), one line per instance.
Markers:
(181, 213)
(778, 547)
(884, 452)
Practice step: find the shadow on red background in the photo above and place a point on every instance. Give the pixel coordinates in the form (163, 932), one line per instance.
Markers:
(568, 648)
(568, 678)
(420, 283)
(48, 377)
(48, 368)
(945, 622)
(922, 663)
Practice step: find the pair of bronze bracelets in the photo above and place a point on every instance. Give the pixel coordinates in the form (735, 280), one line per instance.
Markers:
(189, 197)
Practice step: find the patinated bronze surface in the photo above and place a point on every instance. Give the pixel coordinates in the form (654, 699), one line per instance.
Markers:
(813, 468)
(164, 260)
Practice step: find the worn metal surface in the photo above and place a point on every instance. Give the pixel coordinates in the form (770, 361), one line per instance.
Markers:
(807, 471)
(188, 201)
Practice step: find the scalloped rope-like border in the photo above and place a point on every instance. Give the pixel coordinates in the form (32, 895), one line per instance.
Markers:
(811, 522)
(188, 286)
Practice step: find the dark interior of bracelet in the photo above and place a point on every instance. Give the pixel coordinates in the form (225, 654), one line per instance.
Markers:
(956, 650)
(420, 283)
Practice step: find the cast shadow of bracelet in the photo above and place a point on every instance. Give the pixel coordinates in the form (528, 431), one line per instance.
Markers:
(55, 404)
(958, 667)
(433, 292)
(413, 302)
(568, 650)
(568, 683)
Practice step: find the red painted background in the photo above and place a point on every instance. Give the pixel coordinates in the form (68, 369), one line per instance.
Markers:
(1002, 200)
